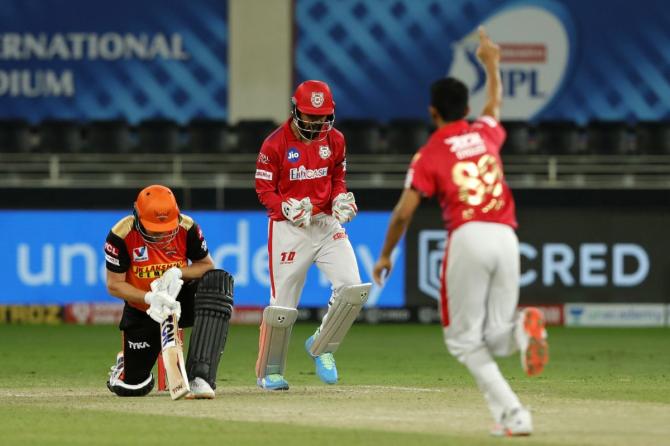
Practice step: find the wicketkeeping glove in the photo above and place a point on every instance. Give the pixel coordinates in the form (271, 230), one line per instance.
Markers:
(161, 305)
(344, 207)
(298, 212)
(169, 282)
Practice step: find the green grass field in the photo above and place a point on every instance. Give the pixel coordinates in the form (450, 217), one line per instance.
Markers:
(397, 385)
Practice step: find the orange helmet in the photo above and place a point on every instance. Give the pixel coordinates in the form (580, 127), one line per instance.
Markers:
(156, 210)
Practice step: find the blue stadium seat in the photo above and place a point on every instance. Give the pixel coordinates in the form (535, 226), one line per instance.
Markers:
(208, 136)
(362, 135)
(108, 136)
(60, 136)
(406, 135)
(559, 138)
(518, 141)
(608, 138)
(251, 133)
(15, 136)
(158, 136)
(653, 137)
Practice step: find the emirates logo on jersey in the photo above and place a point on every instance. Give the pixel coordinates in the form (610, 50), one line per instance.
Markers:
(317, 99)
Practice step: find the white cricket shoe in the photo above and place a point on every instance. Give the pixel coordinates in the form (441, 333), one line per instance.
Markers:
(200, 390)
(515, 422)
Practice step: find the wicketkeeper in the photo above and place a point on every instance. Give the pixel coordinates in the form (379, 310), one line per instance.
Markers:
(157, 261)
(300, 180)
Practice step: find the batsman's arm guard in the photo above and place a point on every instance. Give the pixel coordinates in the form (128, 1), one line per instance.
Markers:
(213, 306)
(274, 338)
(346, 305)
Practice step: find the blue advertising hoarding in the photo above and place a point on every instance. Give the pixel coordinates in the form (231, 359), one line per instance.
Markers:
(56, 257)
(78, 59)
(568, 59)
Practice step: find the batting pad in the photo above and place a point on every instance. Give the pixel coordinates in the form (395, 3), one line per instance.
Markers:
(273, 343)
(347, 303)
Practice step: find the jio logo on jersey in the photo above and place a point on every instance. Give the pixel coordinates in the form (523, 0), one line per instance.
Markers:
(293, 155)
(534, 55)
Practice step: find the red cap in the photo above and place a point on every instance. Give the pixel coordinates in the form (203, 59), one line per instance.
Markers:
(314, 98)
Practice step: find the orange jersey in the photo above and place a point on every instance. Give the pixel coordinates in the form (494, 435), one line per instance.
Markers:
(127, 252)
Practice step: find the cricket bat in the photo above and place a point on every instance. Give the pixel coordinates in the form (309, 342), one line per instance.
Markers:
(173, 358)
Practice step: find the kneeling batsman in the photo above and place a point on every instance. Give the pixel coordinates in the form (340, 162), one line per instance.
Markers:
(210, 309)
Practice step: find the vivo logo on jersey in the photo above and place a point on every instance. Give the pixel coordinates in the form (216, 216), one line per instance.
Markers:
(302, 173)
(293, 155)
(140, 254)
(533, 60)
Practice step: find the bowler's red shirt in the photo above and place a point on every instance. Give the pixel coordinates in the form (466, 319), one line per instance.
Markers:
(460, 164)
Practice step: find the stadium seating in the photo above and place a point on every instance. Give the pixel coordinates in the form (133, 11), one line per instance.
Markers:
(208, 136)
(112, 136)
(559, 138)
(406, 135)
(362, 135)
(60, 136)
(251, 134)
(518, 141)
(158, 136)
(608, 138)
(653, 137)
(15, 136)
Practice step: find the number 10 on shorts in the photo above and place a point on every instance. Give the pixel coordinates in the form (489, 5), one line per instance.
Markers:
(287, 257)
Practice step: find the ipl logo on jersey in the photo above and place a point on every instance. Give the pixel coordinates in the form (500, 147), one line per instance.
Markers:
(324, 152)
(140, 254)
(317, 99)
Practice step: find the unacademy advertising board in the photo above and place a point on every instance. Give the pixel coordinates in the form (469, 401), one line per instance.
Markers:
(81, 59)
(56, 257)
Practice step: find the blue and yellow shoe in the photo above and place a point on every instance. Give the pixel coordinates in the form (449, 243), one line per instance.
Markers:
(272, 382)
(325, 364)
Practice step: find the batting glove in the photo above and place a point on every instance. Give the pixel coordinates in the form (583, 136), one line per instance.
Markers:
(298, 212)
(344, 207)
(161, 305)
(169, 282)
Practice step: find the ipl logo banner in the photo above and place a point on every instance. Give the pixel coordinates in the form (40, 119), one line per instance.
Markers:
(533, 60)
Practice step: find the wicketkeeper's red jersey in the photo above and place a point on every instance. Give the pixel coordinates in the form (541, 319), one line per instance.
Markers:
(287, 168)
(460, 163)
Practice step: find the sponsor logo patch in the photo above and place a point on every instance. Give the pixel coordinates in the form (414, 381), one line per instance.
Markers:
(339, 235)
(293, 155)
(263, 159)
(263, 175)
(140, 254)
(112, 260)
(111, 249)
(302, 173)
(154, 271)
(138, 345)
(317, 99)
(324, 152)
